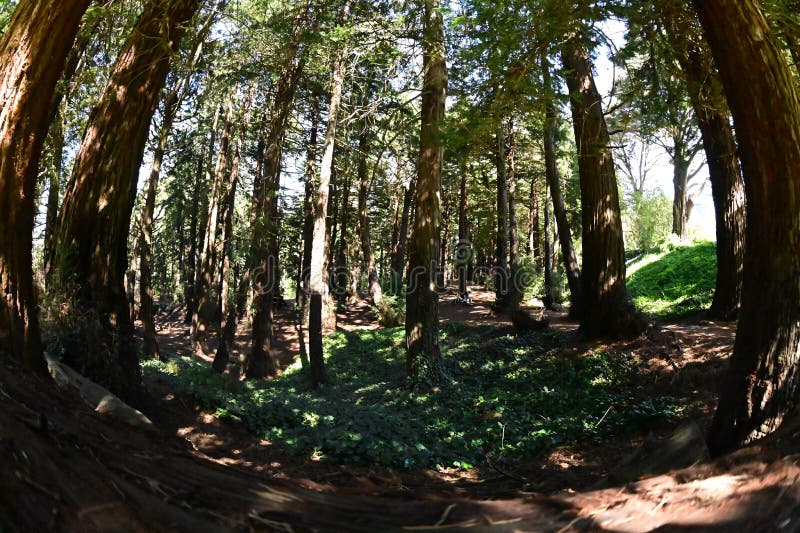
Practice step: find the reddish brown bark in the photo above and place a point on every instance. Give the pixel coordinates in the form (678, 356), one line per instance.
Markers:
(607, 310)
(422, 302)
(763, 382)
(32, 54)
(91, 252)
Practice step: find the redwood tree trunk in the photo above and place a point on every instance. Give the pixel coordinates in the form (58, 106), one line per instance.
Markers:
(464, 250)
(308, 210)
(422, 303)
(95, 218)
(399, 256)
(727, 187)
(763, 382)
(263, 245)
(607, 310)
(32, 54)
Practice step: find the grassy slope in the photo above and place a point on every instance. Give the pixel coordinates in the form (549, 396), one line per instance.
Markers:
(675, 281)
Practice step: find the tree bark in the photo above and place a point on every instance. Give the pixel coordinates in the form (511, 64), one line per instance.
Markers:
(534, 234)
(763, 382)
(568, 254)
(308, 209)
(375, 290)
(204, 321)
(55, 171)
(422, 303)
(607, 310)
(263, 245)
(513, 232)
(399, 256)
(464, 250)
(727, 187)
(95, 217)
(501, 242)
(32, 54)
(318, 282)
(680, 179)
(549, 296)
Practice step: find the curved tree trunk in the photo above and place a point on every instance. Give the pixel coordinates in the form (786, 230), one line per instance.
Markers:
(422, 303)
(763, 381)
(727, 187)
(95, 218)
(32, 54)
(607, 310)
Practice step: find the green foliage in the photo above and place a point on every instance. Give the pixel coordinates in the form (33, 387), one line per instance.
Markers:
(677, 280)
(650, 219)
(511, 394)
(391, 310)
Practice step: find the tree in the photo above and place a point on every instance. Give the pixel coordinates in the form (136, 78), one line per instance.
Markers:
(91, 253)
(422, 303)
(607, 310)
(762, 384)
(319, 250)
(727, 188)
(33, 50)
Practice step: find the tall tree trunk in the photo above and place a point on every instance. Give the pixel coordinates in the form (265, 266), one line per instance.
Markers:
(55, 170)
(228, 302)
(513, 232)
(534, 233)
(318, 280)
(200, 201)
(399, 256)
(680, 179)
(308, 209)
(559, 209)
(32, 54)
(204, 319)
(95, 217)
(172, 102)
(549, 295)
(607, 310)
(263, 245)
(727, 187)
(375, 291)
(344, 284)
(422, 303)
(763, 381)
(501, 243)
(464, 250)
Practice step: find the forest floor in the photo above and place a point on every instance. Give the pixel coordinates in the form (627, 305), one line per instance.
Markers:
(68, 468)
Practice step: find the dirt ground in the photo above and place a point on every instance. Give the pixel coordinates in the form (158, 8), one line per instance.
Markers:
(68, 468)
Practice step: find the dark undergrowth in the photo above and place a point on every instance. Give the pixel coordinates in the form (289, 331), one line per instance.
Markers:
(510, 396)
(674, 281)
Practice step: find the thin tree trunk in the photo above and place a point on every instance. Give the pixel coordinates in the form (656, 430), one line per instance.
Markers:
(399, 257)
(228, 302)
(208, 273)
(422, 303)
(318, 282)
(549, 296)
(680, 179)
(308, 209)
(464, 250)
(534, 234)
(55, 171)
(32, 54)
(559, 209)
(607, 310)
(513, 232)
(762, 385)
(375, 291)
(95, 217)
(501, 243)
